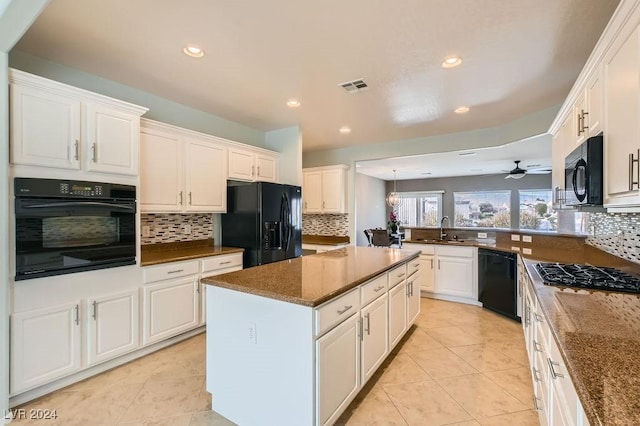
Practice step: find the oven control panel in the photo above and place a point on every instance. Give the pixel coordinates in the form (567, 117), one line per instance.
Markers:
(33, 187)
(84, 190)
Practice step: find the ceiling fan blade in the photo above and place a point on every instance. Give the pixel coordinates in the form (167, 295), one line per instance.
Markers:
(538, 172)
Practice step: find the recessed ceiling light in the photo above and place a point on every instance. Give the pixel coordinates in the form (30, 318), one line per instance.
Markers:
(193, 51)
(426, 173)
(467, 154)
(451, 61)
(293, 103)
(345, 130)
(461, 110)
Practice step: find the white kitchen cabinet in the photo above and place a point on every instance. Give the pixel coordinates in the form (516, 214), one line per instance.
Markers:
(56, 125)
(622, 119)
(253, 165)
(397, 313)
(455, 272)
(216, 265)
(413, 298)
(324, 189)
(45, 345)
(428, 273)
(338, 370)
(374, 334)
(112, 326)
(181, 171)
(170, 308)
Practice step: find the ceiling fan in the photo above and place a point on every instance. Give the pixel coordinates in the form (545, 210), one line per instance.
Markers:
(518, 173)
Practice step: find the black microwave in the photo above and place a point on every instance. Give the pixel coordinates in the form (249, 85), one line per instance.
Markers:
(583, 174)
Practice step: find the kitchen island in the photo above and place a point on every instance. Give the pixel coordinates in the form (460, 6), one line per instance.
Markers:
(293, 342)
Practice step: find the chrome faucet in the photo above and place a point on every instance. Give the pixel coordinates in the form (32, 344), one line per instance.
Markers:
(442, 234)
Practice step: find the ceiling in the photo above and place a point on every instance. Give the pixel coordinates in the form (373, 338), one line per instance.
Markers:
(534, 153)
(518, 56)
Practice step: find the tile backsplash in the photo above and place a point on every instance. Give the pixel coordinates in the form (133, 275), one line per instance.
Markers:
(325, 224)
(616, 233)
(170, 227)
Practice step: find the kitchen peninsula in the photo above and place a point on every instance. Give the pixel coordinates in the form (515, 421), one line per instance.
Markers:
(293, 342)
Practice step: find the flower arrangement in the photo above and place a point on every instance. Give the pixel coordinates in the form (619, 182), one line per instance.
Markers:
(393, 224)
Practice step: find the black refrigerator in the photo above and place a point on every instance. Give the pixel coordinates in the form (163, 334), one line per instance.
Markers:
(265, 219)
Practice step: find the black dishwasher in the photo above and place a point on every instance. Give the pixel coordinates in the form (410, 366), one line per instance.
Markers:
(497, 282)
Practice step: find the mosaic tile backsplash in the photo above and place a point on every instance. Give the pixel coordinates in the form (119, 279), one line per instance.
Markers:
(616, 233)
(170, 228)
(325, 224)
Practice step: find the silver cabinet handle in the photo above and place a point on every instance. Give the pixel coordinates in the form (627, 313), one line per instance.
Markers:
(438, 263)
(346, 308)
(323, 203)
(94, 149)
(432, 263)
(180, 197)
(77, 149)
(377, 289)
(258, 170)
(198, 288)
(253, 168)
(584, 113)
(175, 271)
(537, 346)
(535, 374)
(225, 263)
(189, 197)
(554, 374)
(95, 310)
(400, 275)
(77, 312)
(305, 205)
(367, 316)
(634, 160)
(535, 404)
(538, 317)
(579, 124)
(415, 265)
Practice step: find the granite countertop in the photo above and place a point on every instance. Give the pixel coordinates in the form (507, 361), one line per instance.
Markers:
(330, 240)
(598, 334)
(154, 254)
(312, 280)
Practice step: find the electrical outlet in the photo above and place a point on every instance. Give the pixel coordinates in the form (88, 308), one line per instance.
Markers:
(482, 235)
(515, 237)
(527, 239)
(187, 229)
(527, 251)
(146, 231)
(253, 333)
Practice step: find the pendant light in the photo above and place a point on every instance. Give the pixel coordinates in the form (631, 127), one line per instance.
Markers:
(393, 198)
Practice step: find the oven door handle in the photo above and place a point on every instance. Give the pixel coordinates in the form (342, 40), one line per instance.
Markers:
(124, 207)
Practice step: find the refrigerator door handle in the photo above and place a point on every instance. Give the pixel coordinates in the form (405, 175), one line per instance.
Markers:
(288, 220)
(283, 222)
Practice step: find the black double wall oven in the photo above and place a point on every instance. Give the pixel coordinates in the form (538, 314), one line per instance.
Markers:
(64, 226)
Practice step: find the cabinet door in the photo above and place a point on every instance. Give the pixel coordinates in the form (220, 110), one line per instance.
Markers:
(45, 345)
(161, 177)
(312, 192)
(45, 129)
(454, 276)
(241, 166)
(169, 309)
(427, 273)
(338, 370)
(112, 140)
(621, 114)
(413, 298)
(375, 339)
(205, 177)
(112, 326)
(397, 313)
(333, 191)
(266, 168)
(593, 121)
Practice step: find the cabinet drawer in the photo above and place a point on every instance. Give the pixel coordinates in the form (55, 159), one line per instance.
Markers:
(397, 275)
(336, 311)
(169, 271)
(374, 288)
(455, 251)
(413, 266)
(221, 262)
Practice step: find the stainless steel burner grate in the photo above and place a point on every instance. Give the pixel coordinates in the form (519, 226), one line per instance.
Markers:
(587, 276)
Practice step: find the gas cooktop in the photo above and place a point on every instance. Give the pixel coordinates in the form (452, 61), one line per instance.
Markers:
(587, 276)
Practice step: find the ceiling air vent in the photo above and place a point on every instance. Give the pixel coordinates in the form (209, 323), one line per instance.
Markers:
(354, 86)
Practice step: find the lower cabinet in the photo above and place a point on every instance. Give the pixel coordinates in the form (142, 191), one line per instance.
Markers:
(112, 326)
(170, 308)
(338, 369)
(428, 271)
(375, 333)
(454, 276)
(45, 345)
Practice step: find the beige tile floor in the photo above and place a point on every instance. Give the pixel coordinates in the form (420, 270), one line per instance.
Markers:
(459, 365)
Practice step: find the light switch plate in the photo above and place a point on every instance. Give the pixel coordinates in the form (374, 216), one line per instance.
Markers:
(527, 238)
(482, 235)
(515, 237)
(527, 251)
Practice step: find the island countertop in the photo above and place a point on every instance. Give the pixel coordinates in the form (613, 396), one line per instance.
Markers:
(313, 280)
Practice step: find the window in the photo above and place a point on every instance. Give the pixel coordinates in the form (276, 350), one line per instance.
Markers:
(485, 209)
(420, 209)
(536, 210)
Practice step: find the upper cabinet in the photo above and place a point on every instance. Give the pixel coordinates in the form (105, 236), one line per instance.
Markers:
(55, 125)
(324, 189)
(181, 171)
(253, 164)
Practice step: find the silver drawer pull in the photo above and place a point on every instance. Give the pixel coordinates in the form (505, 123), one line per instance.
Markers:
(535, 404)
(226, 263)
(554, 374)
(415, 265)
(176, 271)
(400, 275)
(537, 346)
(535, 375)
(538, 317)
(377, 289)
(346, 308)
